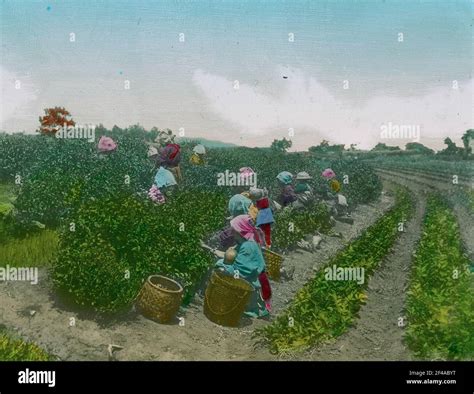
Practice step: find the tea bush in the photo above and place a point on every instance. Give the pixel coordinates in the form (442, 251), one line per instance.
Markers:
(59, 183)
(120, 240)
(293, 225)
(363, 184)
(440, 302)
(324, 309)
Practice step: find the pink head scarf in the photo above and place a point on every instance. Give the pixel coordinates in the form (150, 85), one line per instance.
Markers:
(328, 173)
(246, 172)
(243, 224)
(106, 144)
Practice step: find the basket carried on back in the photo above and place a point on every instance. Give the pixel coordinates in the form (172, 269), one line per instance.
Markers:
(226, 299)
(273, 262)
(160, 298)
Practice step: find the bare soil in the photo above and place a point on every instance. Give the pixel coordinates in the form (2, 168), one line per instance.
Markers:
(34, 313)
(378, 331)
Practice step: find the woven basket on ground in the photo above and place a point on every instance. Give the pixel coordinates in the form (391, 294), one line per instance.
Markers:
(159, 298)
(226, 299)
(273, 262)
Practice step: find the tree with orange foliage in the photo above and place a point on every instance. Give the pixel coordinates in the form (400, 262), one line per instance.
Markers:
(54, 119)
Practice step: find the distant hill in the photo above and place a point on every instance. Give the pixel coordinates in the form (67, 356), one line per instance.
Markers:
(207, 143)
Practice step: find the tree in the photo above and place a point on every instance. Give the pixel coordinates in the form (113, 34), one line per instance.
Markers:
(281, 145)
(451, 148)
(353, 147)
(315, 149)
(324, 143)
(419, 148)
(101, 130)
(379, 146)
(54, 119)
(384, 147)
(116, 130)
(325, 147)
(468, 140)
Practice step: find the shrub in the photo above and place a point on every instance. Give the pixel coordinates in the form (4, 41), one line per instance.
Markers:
(324, 309)
(440, 301)
(120, 240)
(363, 184)
(75, 173)
(312, 219)
(12, 349)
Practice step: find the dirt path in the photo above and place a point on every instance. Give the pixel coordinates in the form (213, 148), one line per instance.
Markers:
(465, 219)
(376, 334)
(464, 215)
(33, 312)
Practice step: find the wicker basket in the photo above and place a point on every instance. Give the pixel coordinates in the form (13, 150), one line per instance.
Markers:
(226, 299)
(273, 261)
(160, 298)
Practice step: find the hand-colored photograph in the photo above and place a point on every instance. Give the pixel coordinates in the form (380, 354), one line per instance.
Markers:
(236, 181)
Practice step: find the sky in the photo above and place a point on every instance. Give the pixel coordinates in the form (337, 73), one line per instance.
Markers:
(244, 72)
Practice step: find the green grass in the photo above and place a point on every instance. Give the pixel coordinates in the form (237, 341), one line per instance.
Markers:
(36, 249)
(324, 309)
(6, 197)
(13, 349)
(440, 303)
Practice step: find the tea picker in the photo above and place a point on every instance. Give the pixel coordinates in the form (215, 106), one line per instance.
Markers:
(216, 252)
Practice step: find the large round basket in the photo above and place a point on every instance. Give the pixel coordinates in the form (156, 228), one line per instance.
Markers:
(160, 298)
(273, 262)
(226, 299)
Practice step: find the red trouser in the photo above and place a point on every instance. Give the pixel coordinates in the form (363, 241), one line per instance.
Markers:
(266, 290)
(267, 230)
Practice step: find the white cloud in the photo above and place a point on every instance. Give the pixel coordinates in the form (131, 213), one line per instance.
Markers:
(14, 102)
(303, 103)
